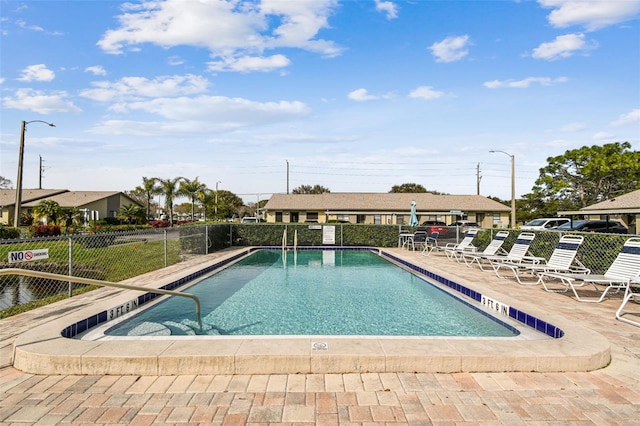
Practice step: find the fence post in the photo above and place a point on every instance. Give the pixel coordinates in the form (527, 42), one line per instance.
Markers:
(166, 255)
(206, 239)
(231, 235)
(70, 265)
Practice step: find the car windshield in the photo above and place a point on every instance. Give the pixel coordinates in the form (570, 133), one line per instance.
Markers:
(576, 224)
(536, 222)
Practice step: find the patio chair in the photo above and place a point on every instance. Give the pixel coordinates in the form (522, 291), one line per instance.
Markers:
(492, 249)
(453, 250)
(418, 239)
(632, 291)
(624, 268)
(518, 253)
(562, 259)
(431, 243)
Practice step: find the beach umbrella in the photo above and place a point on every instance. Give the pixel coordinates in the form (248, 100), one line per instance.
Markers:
(413, 221)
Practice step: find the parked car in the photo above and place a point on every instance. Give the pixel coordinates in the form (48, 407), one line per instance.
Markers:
(432, 226)
(249, 219)
(545, 223)
(610, 226)
(465, 225)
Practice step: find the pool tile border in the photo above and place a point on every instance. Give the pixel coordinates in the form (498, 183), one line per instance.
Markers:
(522, 317)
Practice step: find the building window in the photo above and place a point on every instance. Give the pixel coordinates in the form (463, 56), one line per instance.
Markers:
(343, 218)
(312, 216)
(400, 219)
(278, 216)
(361, 218)
(496, 219)
(295, 217)
(377, 219)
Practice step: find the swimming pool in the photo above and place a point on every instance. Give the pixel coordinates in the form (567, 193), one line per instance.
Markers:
(315, 292)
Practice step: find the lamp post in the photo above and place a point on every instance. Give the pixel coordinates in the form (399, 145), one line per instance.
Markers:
(16, 216)
(216, 200)
(513, 186)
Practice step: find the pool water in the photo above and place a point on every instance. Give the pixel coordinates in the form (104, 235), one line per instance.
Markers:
(317, 292)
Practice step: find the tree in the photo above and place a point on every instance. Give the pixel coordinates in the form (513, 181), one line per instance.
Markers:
(48, 209)
(191, 189)
(229, 204)
(587, 175)
(5, 183)
(69, 214)
(131, 213)
(169, 188)
(308, 189)
(411, 188)
(149, 188)
(208, 200)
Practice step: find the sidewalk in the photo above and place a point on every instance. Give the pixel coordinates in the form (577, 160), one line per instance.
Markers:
(607, 396)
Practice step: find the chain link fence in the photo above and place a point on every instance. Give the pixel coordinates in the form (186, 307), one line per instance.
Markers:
(118, 256)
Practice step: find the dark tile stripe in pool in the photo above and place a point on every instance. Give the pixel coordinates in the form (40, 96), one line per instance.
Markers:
(516, 314)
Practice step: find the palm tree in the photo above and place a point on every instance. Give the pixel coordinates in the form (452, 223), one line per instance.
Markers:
(48, 209)
(169, 189)
(131, 213)
(149, 188)
(191, 189)
(207, 199)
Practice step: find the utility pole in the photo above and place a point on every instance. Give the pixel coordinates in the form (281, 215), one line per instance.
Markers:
(287, 176)
(41, 172)
(478, 179)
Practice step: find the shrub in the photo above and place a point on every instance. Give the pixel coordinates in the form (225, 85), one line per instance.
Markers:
(45, 230)
(9, 233)
(159, 223)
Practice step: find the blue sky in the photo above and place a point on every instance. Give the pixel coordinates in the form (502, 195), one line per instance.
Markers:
(356, 96)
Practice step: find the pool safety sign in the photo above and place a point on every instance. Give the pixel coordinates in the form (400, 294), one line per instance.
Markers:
(329, 234)
(28, 255)
(494, 305)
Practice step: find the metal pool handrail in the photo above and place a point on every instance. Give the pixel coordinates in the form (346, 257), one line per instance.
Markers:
(89, 281)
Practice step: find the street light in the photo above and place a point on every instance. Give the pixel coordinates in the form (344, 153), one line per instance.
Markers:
(16, 216)
(216, 196)
(513, 186)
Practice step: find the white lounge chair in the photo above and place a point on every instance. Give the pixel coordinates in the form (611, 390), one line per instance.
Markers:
(518, 253)
(491, 250)
(624, 268)
(453, 250)
(632, 291)
(562, 259)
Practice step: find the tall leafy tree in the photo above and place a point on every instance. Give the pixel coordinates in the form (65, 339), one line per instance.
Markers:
(308, 189)
(191, 189)
(229, 204)
(170, 190)
(48, 209)
(584, 176)
(411, 188)
(207, 198)
(149, 188)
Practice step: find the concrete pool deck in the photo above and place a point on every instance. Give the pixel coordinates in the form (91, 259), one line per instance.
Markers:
(607, 395)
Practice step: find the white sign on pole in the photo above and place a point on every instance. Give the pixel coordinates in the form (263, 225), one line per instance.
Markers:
(329, 234)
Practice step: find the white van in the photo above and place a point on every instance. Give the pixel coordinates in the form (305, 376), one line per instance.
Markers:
(249, 219)
(545, 223)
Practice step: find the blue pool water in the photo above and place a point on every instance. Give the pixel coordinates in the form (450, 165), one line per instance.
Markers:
(315, 293)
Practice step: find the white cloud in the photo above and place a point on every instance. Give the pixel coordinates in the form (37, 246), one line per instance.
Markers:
(599, 136)
(592, 14)
(96, 70)
(425, 92)
(140, 87)
(361, 95)
(628, 118)
(185, 115)
(524, 83)
(243, 29)
(390, 8)
(450, 49)
(250, 63)
(562, 47)
(573, 127)
(38, 101)
(38, 72)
